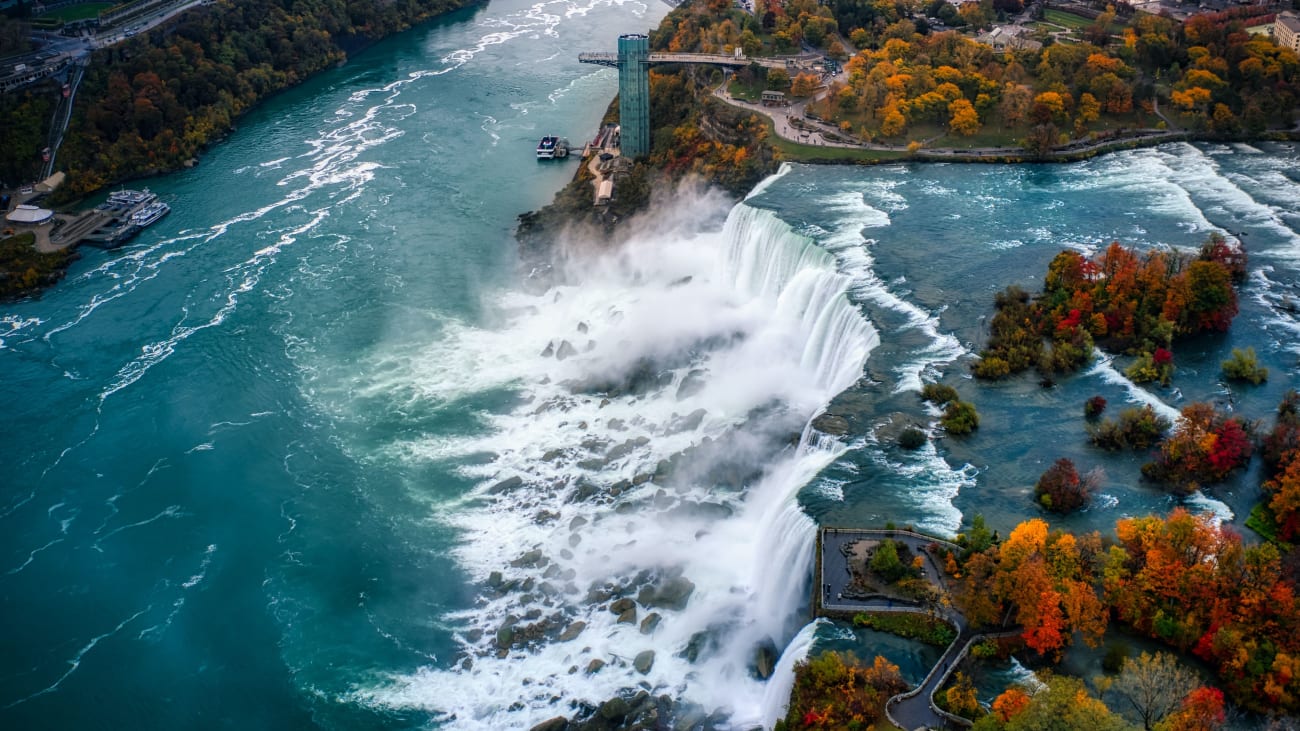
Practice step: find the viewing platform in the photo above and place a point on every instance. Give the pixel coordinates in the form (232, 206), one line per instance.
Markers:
(842, 555)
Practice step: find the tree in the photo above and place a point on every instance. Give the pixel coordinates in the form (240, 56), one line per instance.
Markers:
(1065, 704)
(1202, 710)
(1150, 687)
(778, 79)
(1061, 490)
(803, 85)
(960, 697)
(965, 121)
(885, 562)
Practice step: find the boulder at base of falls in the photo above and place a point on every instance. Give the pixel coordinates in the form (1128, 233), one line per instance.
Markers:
(650, 622)
(644, 661)
(566, 350)
(549, 350)
(572, 631)
(614, 709)
(506, 485)
(559, 723)
(595, 665)
(765, 658)
(672, 593)
(831, 424)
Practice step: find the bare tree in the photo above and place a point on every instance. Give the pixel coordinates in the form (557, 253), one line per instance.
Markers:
(1150, 687)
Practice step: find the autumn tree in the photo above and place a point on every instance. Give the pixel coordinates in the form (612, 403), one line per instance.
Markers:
(964, 120)
(1150, 687)
(1061, 490)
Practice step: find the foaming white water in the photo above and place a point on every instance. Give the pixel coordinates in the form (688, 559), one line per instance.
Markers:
(1218, 510)
(663, 441)
(776, 699)
(934, 484)
(852, 249)
(1282, 305)
(767, 182)
(1102, 366)
(1200, 175)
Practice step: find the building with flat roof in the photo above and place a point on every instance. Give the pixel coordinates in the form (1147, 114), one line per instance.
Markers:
(1286, 31)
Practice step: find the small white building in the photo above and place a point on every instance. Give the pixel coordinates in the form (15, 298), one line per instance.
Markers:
(29, 215)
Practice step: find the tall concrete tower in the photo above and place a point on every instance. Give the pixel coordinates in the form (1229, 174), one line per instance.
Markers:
(634, 94)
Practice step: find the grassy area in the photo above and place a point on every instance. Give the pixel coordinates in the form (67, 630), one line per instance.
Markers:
(78, 12)
(1261, 521)
(750, 91)
(920, 627)
(1069, 20)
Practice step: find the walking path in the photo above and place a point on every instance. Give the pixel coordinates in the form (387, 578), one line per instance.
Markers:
(916, 708)
(790, 123)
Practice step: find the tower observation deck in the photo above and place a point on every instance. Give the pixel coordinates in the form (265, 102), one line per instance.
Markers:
(633, 62)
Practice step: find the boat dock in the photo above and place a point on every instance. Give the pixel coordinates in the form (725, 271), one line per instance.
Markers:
(106, 226)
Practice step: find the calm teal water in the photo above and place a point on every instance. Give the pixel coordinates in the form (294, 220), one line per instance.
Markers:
(249, 457)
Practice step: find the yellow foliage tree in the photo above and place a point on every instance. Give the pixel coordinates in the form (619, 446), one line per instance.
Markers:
(964, 120)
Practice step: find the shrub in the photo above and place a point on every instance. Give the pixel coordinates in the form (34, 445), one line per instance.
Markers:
(938, 394)
(1243, 366)
(1093, 407)
(912, 438)
(1061, 490)
(1136, 429)
(1156, 366)
(960, 418)
(991, 367)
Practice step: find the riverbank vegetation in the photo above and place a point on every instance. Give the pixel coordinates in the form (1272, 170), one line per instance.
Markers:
(23, 269)
(836, 690)
(920, 627)
(155, 101)
(1123, 300)
(1181, 580)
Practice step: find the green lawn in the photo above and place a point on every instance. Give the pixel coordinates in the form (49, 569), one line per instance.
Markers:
(78, 12)
(1069, 20)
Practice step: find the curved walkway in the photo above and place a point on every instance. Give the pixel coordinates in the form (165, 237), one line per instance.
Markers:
(916, 708)
(813, 132)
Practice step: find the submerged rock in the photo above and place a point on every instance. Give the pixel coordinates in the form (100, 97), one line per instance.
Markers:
(506, 485)
(831, 424)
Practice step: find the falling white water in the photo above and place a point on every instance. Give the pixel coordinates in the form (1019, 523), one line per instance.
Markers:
(708, 353)
(777, 698)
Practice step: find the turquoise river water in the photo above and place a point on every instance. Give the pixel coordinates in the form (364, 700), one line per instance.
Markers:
(260, 464)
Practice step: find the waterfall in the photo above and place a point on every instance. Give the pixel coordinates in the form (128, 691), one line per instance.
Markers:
(776, 699)
(752, 317)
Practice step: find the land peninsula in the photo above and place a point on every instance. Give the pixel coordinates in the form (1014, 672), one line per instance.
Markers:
(996, 81)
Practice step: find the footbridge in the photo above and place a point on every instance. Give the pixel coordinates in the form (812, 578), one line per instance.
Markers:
(633, 62)
(712, 59)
